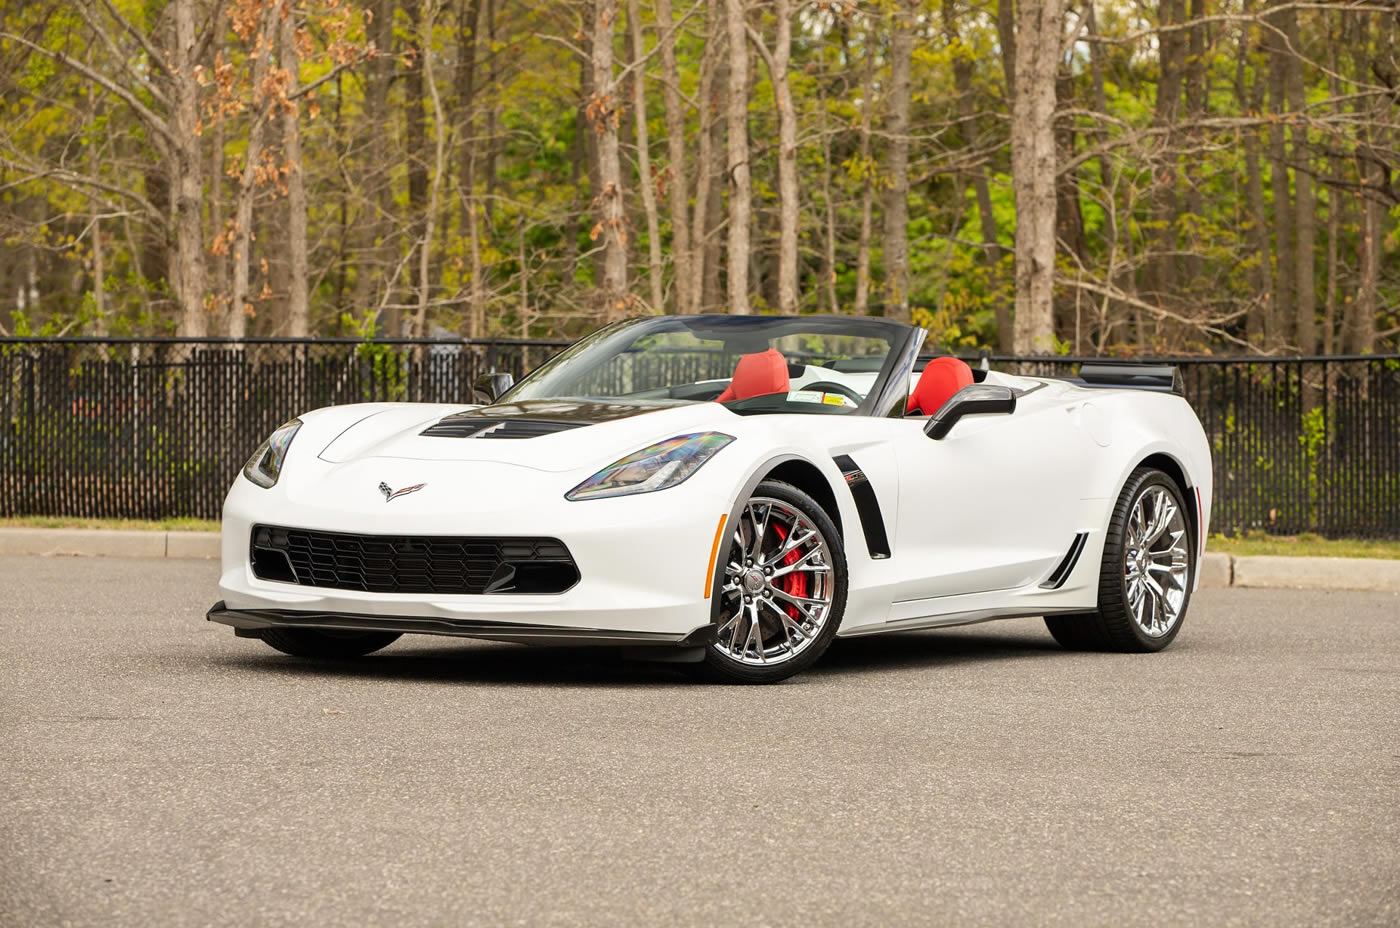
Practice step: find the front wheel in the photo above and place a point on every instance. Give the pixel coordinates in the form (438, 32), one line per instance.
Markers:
(327, 645)
(782, 591)
(1146, 575)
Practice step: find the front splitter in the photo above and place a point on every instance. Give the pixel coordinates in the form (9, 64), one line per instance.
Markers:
(251, 619)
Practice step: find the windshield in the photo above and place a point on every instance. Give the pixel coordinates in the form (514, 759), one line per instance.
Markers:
(751, 364)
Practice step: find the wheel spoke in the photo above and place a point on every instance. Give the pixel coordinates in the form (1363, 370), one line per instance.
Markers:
(792, 544)
(801, 564)
(755, 634)
(759, 531)
(789, 626)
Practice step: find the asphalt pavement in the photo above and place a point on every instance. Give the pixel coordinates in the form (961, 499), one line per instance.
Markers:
(155, 770)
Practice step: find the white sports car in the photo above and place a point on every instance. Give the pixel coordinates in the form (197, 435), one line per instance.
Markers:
(731, 493)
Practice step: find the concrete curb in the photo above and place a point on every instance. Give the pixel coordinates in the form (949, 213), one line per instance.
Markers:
(1218, 571)
(1300, 573)
(104, 542)
(1317, 573)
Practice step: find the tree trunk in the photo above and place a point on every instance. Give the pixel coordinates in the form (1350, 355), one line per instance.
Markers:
(376, 249)
(219, 255)
(434, 193)
(1285, 264)
(604, 113)
(1033, 171)
(896, 213)
(1305, 222)
(705, 253)
(678, 185)
(415, 115)
(867, 184)
(187, 181)
(828, 291)
(777, 62)
(1334, 209)
(99, 257)
(1171, 62)
(646, 181)
(1257, 229)
(1363, 316)
(298, 310)
(1107, 172)
(492, 118)
(240, 308)
(737, 127)
(1006, 36)
(1372, 172)
(963, 65)
(466, 169)
(1197, 100)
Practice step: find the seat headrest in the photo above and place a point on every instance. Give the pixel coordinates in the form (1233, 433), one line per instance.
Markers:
(940, 380)
(757, 374)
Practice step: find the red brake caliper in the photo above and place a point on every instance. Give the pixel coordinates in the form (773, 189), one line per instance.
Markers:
(794, 583)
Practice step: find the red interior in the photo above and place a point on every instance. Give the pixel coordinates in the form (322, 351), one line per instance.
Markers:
(940, 380)
(756, 375)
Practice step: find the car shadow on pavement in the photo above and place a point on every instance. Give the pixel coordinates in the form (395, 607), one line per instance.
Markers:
(472, 663)
(581, 666)
(930, 648)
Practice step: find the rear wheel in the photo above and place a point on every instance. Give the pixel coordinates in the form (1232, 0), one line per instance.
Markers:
(1146, 575)
(782, 591)
(328, 644)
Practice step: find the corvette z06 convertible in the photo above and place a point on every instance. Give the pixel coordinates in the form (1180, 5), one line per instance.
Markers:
(731, 493)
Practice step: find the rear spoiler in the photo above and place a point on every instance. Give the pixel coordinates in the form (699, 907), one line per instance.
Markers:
(1162, 378)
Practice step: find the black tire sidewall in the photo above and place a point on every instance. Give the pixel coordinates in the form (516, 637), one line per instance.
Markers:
(1142, 480)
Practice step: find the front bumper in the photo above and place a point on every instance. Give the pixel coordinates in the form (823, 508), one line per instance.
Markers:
(252, 620)
(643, 561)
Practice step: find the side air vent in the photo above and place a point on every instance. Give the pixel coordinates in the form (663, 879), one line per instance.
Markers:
(482, 427)
(867, 507)
(1062, 570)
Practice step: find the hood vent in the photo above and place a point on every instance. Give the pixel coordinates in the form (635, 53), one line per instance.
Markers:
(482, 427)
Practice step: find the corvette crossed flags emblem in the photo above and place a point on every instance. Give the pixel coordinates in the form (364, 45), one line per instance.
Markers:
(391, 494)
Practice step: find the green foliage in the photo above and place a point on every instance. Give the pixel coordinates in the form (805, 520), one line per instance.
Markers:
(1139, 190)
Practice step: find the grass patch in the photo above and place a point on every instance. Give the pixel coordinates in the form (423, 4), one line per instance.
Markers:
(1304, 545)
(149, 525)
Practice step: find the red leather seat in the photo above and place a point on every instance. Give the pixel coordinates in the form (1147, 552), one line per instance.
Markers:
(940, 380)
(756, 375)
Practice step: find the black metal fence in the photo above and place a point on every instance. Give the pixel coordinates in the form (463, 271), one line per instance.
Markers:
(152, 428)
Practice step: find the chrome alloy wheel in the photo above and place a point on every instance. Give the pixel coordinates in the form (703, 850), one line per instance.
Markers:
(1156, 561)
(778, 585)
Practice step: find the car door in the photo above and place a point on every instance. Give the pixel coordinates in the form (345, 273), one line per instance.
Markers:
(991, 505)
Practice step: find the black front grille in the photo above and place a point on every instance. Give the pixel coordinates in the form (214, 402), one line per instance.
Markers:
(446, 564)
(482, 427)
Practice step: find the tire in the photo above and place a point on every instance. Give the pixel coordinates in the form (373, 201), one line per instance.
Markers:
(798, 598)
(326, 645)
(1124, 602)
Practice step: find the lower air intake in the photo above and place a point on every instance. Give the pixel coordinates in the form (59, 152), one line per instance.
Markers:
(444, 564)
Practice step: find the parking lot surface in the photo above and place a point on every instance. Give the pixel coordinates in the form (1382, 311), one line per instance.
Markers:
(154, 770)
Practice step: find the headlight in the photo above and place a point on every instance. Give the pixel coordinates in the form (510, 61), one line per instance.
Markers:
(663, 465)
(265, 466)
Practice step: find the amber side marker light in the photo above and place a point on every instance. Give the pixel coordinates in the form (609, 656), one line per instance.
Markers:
(714, 551)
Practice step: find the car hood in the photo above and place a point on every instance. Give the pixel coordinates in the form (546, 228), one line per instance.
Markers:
(547, 435)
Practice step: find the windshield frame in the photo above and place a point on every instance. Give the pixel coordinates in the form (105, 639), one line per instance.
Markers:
(904, 341)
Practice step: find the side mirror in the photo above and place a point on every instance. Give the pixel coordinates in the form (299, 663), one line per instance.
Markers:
(978, 399)
(492, 386)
